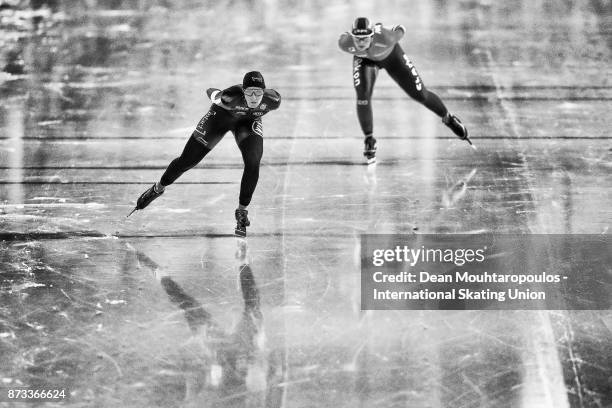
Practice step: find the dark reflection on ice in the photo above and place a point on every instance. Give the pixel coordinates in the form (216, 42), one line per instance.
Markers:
(230, 368)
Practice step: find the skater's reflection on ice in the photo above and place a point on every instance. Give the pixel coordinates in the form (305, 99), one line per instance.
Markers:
(226, 367)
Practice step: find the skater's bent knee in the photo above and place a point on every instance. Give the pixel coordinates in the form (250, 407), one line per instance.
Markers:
(252, 165)
(252, 160)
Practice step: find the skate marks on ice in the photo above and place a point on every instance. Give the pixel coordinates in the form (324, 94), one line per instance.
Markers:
(585, 351)
(94, 323)
(457, 191)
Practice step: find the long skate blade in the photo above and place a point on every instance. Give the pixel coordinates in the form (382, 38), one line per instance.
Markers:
(240, 233)
(132, 212)
(467, 139)
(371, 161)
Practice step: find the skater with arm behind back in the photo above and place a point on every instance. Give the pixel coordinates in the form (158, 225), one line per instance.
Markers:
(374, 47)
(238, 109)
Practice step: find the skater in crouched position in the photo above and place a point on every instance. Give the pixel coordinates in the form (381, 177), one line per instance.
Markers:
(374, 47)
(238, 109)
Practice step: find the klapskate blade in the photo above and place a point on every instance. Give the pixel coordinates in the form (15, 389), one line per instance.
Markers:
(240, 233)
(132, 212)
(471, 144)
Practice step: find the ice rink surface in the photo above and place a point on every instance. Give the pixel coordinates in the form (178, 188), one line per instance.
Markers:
(167, 308)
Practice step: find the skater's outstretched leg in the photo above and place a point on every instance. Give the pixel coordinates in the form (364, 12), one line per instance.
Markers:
(192, 154)
(403, 71)
(208, 133)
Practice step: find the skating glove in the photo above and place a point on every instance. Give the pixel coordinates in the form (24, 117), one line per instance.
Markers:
(399, 27)
(212, 93)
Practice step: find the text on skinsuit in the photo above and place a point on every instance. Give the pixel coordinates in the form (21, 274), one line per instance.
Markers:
(415, 74)
(356, 67)
(202, 122)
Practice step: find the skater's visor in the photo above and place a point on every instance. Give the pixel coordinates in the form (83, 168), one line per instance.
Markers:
(253, 91)
(364, 35)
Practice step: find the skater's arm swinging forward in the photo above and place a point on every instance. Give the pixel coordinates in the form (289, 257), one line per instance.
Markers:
(227, 98)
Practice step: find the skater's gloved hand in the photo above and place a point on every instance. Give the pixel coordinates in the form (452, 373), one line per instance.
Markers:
(399, 28)
(213, 93)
